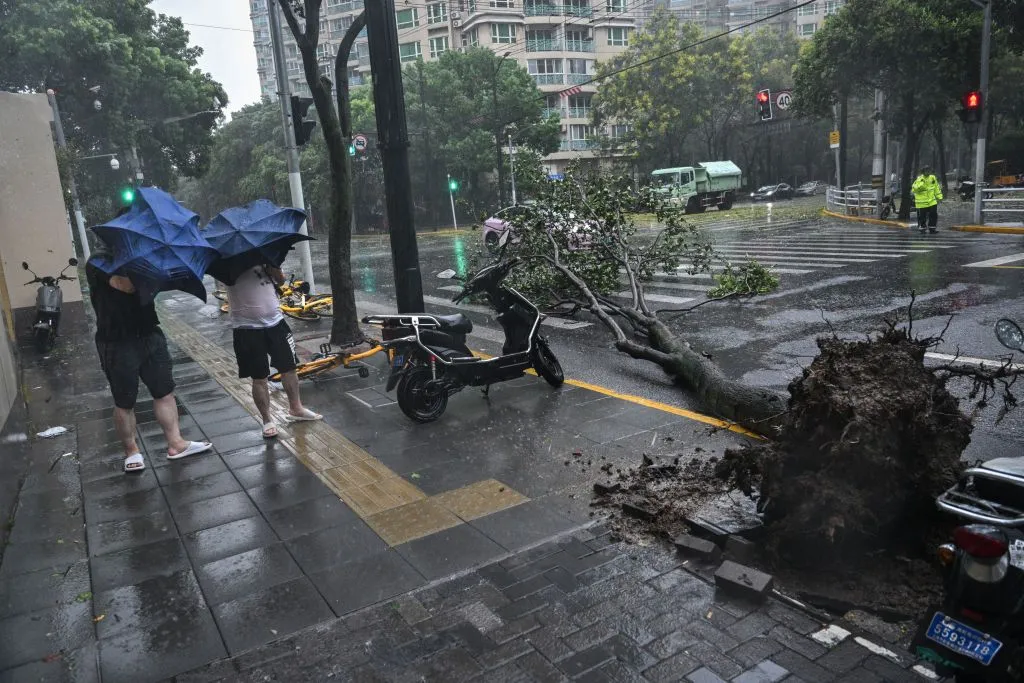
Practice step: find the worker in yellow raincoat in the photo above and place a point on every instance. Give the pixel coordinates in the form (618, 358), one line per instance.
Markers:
(927, 195)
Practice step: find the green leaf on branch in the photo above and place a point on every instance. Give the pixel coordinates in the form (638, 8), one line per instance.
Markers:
(747, 279)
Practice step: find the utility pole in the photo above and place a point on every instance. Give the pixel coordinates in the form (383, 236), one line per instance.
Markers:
(451, 198)
(878, 159)
(512, 168)
(58, 129)
(290, 149)
(843, 118)
(393, 141)
(979, 159)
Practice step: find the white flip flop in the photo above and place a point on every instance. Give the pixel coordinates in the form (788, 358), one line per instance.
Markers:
(134, 463)
(194, 448)
(307, 416)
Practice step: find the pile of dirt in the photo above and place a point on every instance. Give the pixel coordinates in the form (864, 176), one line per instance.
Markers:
(848, 489)
(872, 437)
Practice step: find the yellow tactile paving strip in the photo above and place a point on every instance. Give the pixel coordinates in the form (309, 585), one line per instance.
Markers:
(396, 509)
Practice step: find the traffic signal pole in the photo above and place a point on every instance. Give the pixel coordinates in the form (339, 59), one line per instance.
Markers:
(979, 159)
(393, 140)
(291, 150)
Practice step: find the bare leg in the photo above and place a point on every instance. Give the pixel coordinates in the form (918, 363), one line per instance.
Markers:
(166, 412)
(261, 397)
(124, 425)
(291, 387)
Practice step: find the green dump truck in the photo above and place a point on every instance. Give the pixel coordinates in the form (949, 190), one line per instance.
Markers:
(695, 188)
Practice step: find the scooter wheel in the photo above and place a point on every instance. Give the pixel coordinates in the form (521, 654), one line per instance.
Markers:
(546, 364)
(413, 399)
(44, 339)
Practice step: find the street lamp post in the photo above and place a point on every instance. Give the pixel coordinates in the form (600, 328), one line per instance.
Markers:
(497, 129)
(58, 129)
(451, 198)
(512, 167)
(979, 159)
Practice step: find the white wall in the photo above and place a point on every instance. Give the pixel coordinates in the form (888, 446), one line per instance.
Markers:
(33, 222)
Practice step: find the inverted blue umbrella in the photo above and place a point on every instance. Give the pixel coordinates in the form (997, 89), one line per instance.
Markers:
(259, 233)
(157, 245)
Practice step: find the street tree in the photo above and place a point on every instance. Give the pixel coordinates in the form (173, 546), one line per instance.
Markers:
(334, 116)
(124, 78)
(461, 109)
(921, 54)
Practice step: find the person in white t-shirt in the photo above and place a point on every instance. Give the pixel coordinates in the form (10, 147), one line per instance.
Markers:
(263, 339)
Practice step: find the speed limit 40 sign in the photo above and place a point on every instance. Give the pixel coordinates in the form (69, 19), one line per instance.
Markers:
(784, 99)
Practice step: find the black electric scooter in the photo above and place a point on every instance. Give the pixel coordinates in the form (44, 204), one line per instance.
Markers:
(49, 300)
(429, 357)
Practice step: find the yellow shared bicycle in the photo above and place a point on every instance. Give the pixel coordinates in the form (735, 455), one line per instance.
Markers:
(328, 360)
(296, 301)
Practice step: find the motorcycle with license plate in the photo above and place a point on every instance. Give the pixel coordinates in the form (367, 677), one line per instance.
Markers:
(429, 357)
(49, 301)
(977, 634)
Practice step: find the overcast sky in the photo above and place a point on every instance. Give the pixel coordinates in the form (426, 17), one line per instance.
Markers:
(227, 54)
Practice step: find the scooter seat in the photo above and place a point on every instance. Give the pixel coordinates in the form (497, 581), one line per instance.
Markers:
(455, 323)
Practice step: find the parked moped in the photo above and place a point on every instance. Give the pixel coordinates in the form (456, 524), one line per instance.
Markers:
(429, 357)
(49, 300)
(977, 634)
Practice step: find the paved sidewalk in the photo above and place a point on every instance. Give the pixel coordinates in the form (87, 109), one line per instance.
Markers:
(330, 551)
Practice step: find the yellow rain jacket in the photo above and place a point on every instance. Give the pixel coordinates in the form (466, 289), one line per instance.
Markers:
(927, 191)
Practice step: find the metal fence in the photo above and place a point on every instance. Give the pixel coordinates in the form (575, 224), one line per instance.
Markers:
(855, 200)
(1002, 205)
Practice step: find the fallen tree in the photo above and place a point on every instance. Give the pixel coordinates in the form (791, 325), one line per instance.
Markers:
(868, 436)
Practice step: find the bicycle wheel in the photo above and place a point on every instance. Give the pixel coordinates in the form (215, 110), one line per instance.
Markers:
(299, 313)
(322, 304)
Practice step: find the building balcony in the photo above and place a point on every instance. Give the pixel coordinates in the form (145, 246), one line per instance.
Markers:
(553, 111)
(538, 9)
(579, 45)
(578, 145)
(579, 112)
(543, 45)
(549, 79)
(576, 79)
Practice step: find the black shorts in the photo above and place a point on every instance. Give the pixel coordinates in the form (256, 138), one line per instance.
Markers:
(127, 361)
(256, 349)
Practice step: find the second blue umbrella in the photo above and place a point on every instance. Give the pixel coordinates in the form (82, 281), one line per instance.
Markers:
(259, 233)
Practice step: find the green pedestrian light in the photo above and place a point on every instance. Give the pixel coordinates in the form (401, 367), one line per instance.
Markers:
(351, 150)
(453, 185)
(127, 195)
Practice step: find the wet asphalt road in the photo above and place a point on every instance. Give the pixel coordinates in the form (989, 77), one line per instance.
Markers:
(852, 274)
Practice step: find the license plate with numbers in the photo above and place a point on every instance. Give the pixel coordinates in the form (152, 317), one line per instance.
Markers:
(963, 639)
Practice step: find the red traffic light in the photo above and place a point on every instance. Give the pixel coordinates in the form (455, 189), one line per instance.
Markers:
(763, 96)
(972, 100)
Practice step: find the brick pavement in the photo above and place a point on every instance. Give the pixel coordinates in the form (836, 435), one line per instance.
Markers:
(582, 608)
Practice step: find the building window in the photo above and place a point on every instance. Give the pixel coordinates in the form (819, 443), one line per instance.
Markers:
(409, 52)
(832, 6)
(324, 51)
(577, 41)
(577, 66)
(618, 36)
(503, 33)
(807, 10)
(580, 131)
(470, 38)
(808, 29)
(618, 131)
(502, 3)
(438, 46)
(544, 66)
(408, 18)
(291, 51)
(617, 6)
(437, 13)
(258, 5)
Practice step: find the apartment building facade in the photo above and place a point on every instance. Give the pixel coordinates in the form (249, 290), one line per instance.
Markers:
(559, 42)
(715, 16)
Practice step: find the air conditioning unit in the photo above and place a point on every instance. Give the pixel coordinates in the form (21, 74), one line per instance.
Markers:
(455, 15)
(457, 23)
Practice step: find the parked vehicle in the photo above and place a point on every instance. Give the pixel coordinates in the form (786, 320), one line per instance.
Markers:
(977, 634)
(810, 189)
(697, 188)
(771, 193)
(888, 207)
(49, 301)
(501, 223)
(429, 357)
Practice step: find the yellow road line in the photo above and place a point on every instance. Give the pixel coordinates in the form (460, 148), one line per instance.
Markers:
(649, 403)
(865, 219)
(994, 229)
(1010, 267)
